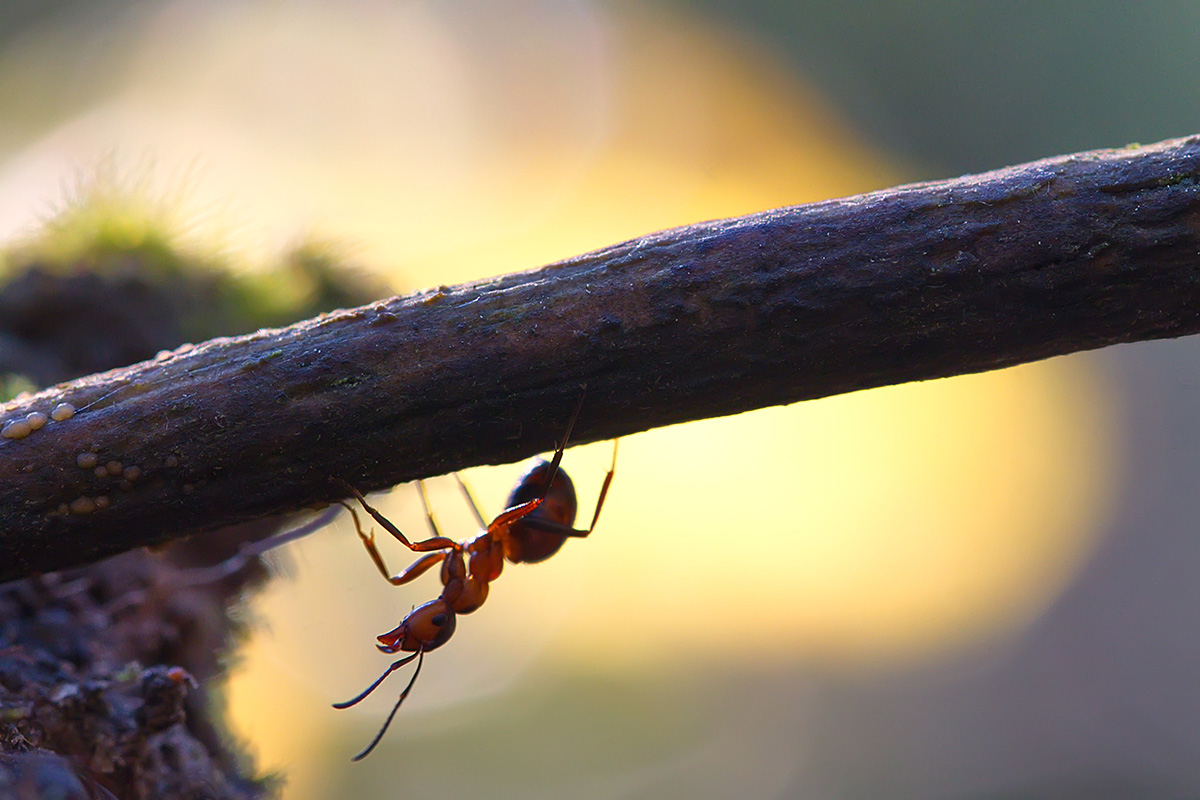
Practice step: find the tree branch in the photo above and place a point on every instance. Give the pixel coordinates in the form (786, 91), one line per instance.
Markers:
(912, 283)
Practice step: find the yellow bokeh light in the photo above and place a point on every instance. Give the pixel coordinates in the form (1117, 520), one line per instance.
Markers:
(880, 525)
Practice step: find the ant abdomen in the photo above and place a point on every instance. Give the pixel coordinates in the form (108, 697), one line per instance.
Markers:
(534, 537)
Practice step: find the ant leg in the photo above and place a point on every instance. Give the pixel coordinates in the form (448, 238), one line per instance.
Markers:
(420, 656)
(559, 448)
(382, 520)
(604, 489)
(471, 501)
(424, 546)
(411, 572)
(418, 568)
(367, 542)
(433, 526)
(511, 515)
(550, 526)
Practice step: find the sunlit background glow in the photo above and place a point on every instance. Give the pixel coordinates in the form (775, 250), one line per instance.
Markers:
(869, 533)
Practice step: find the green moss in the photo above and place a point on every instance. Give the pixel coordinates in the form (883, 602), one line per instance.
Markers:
(100, 228)
(116, 261)
(261, 361)
(1175, 179)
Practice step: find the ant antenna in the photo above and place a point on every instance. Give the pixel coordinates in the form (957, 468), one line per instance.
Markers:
(420, 656)
(397, 664)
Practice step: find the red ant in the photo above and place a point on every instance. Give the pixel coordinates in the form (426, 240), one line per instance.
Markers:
(539, 518)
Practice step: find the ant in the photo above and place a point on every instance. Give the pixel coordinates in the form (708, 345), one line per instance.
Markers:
(537, 522)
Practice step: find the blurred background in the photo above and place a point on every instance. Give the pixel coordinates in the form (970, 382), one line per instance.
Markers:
(984, 587)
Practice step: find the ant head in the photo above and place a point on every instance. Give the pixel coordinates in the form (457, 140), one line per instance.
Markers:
(427, 627)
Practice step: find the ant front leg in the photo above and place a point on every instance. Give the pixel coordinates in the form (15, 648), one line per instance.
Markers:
(423, 546)
(411, 572)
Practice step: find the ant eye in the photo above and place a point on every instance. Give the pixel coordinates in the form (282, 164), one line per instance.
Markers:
(439, 620)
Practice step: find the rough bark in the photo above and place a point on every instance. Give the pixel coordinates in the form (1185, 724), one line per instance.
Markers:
(100, 669)
(917, 282)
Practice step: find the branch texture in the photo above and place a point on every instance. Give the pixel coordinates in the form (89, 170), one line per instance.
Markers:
(917, 282)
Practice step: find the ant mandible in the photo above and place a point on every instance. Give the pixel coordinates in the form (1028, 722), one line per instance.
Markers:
(538, 520)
